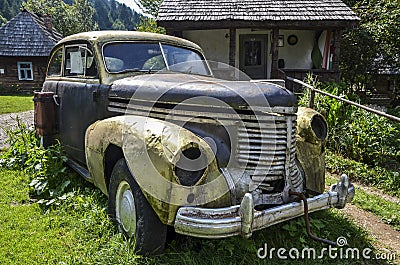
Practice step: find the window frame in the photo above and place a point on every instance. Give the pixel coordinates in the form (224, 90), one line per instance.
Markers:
(160, 43)
(25, 71)
(88, 50)
(60, 48)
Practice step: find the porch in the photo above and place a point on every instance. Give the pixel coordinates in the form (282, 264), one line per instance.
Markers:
(264, 38)
(322, 75)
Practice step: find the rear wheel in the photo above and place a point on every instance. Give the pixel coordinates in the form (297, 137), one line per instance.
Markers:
(130, 210)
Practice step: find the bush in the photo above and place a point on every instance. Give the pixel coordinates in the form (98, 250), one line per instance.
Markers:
(388, 181)
(49, 177)
(355, 133)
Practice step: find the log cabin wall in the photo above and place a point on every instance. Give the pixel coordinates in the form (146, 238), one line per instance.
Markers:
(10, 77)
(26, 38)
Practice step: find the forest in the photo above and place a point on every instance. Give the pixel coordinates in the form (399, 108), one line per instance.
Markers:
(108, 14)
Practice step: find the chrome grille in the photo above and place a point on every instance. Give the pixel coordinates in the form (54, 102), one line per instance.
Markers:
(267, 149)
(262, 145)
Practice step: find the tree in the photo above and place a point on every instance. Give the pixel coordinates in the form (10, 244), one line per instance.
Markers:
(102, 15)
(83, 12)
(358, 53)
(150, 7)
(148, 23)
(382, 20)
(374, 44)
(5, 9)
(68, 19)
(118, 25)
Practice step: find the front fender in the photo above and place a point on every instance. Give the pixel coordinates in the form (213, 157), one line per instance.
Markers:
(151, 148)
(310, 147)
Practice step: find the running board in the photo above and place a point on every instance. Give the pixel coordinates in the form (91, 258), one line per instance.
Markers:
(80, 169)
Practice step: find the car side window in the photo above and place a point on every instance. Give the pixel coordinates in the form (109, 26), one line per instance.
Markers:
(55, 63)
(79, 62)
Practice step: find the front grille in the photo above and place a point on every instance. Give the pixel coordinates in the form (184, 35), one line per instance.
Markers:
(267, 149)
(266, 142)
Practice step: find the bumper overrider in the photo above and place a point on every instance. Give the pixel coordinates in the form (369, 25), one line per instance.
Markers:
(243, 219)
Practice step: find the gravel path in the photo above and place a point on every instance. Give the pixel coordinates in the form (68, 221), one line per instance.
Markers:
(8, 121)
(386, 239)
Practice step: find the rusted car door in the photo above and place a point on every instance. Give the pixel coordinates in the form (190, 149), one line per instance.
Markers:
(82, 99)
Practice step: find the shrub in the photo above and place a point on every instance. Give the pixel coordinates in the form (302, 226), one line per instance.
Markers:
(355, 133)
(48, 174)
(388, 181)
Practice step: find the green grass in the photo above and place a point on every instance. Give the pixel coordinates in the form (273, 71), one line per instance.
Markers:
(387, 210)
(11, 104)
(379, 177)
(79, 232)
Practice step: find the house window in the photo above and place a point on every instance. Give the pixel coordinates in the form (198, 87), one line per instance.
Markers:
(25, 71)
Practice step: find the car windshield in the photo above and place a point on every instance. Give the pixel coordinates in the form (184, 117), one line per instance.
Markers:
(150, 57)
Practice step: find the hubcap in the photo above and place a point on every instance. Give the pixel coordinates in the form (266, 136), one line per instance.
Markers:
(125, 208)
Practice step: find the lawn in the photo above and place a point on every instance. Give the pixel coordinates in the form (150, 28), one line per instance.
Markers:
(79, 232)
(11, 104)
(388, 211)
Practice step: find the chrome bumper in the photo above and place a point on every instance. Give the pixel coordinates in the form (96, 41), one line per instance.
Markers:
(243, 219)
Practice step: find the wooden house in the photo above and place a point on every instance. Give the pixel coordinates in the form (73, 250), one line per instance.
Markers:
(264, 38)
(384, 90)
(25, 44)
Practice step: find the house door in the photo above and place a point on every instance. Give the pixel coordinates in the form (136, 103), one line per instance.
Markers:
(253, 55)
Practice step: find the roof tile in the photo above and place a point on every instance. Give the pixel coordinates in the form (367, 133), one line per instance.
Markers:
(254, 10)
(27, 35)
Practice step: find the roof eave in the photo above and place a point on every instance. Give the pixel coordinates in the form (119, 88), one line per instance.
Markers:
(268, 24)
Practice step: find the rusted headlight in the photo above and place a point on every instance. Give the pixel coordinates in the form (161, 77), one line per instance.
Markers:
(319, 127)
(311, 126)
(191, 166)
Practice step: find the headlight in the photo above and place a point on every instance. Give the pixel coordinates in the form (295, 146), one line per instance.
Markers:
(191, 166)
(311, 126)
(319, 127)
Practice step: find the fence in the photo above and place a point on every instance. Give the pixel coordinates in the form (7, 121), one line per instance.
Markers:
(313, 90)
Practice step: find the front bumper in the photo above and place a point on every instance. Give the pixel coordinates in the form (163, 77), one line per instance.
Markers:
(243, 219)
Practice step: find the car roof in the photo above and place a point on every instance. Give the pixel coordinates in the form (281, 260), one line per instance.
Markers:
(116, 35)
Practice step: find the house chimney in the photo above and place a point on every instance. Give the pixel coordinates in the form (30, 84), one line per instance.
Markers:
(48, 22)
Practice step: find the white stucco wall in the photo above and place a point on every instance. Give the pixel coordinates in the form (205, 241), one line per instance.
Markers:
(213, 43)
(297, 56)
(216, 46)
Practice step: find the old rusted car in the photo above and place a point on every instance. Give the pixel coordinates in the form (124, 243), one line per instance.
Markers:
(145, 119)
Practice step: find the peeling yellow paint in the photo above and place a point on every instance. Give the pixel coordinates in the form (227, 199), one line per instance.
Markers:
(151, 147)
(310, 150)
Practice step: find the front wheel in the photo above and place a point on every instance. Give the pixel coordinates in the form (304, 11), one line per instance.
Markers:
(130, 210)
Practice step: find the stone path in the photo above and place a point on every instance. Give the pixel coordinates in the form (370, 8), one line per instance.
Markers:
(9, 121)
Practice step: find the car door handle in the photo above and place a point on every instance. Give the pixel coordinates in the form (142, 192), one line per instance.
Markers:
(56, 99)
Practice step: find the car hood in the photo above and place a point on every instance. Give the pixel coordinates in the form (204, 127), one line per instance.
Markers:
(174, 88)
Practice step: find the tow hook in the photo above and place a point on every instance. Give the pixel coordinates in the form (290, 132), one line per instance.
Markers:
(302, 197)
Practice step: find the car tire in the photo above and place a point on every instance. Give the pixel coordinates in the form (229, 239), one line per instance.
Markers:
(132, 213)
